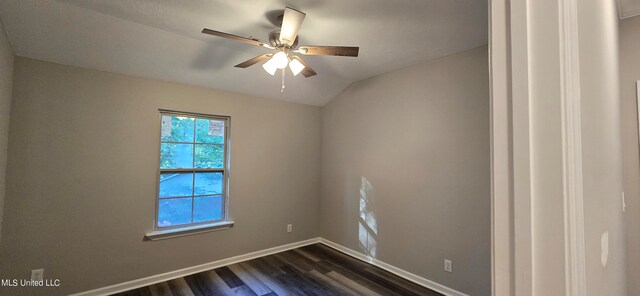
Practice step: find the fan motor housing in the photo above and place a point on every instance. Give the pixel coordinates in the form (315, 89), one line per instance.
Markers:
(274, 40)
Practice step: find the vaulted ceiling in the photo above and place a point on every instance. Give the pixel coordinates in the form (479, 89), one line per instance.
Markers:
(161, 39)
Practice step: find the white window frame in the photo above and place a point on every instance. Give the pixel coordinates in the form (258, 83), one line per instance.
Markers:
(199, 227)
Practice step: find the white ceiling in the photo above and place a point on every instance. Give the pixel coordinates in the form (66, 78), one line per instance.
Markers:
(161, 39)
(629, 8)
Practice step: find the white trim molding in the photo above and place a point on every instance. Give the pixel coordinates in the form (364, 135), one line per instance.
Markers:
(519, 72)
(502, 223)
(638, 112)
(522, 151)
(126, 286)
(575, 266)
(395, 270)
(189, 230)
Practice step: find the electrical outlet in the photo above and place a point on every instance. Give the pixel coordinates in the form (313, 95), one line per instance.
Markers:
(289, 227)
(448, 265)
(37, 274)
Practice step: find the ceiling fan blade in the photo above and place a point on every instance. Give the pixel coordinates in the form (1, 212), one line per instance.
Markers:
(344, 51)
(291, 23)
(307, 71)
(255, 42)
(253, 61)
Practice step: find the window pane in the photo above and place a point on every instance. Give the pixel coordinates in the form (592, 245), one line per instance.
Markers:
(177, 129)
(209, 131)
(208, 184)
(176, 156)
(209, 156)
(173, 185)
(207, 208)
(175, 211)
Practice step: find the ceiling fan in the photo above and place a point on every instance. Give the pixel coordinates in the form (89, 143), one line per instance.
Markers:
(284, 46)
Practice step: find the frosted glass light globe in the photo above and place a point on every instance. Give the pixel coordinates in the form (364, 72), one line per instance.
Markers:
(296, 67)
(280, 60)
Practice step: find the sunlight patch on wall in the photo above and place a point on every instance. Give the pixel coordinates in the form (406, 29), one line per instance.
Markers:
(368, 226)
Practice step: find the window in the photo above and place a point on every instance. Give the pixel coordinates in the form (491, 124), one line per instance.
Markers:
(193, 173)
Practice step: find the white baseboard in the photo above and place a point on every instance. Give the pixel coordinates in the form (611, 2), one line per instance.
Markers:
(392, 269)
(121, 287)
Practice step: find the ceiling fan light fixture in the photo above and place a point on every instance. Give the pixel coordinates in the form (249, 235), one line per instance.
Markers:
(284, 43)
(296, 67)
(270, 66)
(280, 59)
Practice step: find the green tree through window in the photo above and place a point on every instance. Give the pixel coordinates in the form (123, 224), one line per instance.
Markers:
(193, 172)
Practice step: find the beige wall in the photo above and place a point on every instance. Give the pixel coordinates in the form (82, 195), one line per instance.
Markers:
(415, 142)
(83, 160)
(629, 74)
(6, 84)
(81, 182)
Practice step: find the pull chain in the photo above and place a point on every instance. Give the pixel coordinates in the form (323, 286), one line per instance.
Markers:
(282, 89)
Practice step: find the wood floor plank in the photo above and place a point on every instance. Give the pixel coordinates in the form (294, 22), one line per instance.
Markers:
(350, 283)
(293, 259)
(179, 287)
(321, 267)
(229, 277)
(307, 254)
(359, 267)
(250, 280)
(144, 291)
(201, 284)
(327, 253)
(301, 259)
(415, 288)
(358, 278)
(265, 278)
(290, 263)
(385, 282)
(290, 285)
(269, 265)
(343, 290)
(295, 281)
(160, 289)
(243, 291)
(220, 284)
(314, 270)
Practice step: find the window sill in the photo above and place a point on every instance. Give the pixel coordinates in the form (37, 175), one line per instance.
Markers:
(189, 230)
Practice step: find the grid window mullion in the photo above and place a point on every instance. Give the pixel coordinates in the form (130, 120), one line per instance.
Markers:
(199, 143)
(193, 161)
(207, 189)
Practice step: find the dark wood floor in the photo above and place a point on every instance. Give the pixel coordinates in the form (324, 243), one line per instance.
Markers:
(311, 270)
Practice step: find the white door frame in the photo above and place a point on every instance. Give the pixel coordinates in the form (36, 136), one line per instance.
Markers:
(512, 215)
(502, 267)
